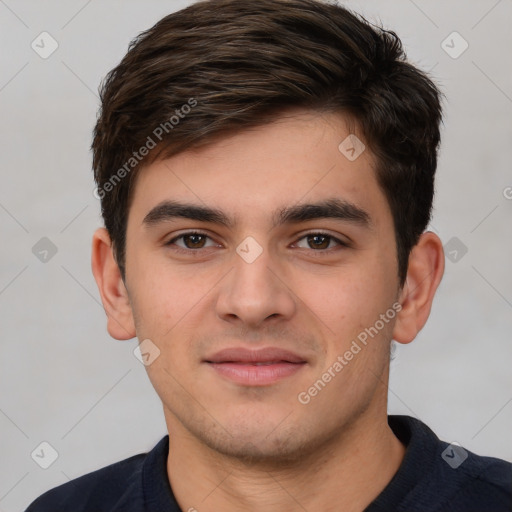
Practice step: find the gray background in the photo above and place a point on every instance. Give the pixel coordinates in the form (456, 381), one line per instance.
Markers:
(66, 382)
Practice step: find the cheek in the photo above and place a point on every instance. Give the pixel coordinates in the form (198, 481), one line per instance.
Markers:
(349, 302)
(157, 300)
(167, 299)
(340, 296)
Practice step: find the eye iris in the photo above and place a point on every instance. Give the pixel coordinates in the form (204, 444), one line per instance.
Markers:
(197, 241)
(319, 241)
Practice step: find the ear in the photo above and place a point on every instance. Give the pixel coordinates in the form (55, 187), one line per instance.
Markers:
(120, 323)
(424, 273)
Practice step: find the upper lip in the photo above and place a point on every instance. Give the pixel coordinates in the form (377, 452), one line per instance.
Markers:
(262, 355)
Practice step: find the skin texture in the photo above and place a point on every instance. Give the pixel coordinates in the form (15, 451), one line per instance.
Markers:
(238, 447)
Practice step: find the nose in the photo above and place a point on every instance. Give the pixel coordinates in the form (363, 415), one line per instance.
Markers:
(255, 293)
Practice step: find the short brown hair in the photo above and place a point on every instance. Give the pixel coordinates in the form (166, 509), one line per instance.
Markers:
(223, 65)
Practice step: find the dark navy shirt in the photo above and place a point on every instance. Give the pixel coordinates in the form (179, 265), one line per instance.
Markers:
(433, 477)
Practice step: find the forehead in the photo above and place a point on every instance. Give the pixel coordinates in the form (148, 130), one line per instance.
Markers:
(306, 157)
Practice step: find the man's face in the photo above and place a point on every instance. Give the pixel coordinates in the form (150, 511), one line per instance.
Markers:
(266, 279)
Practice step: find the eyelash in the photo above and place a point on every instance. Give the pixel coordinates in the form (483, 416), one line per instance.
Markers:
(318, 252)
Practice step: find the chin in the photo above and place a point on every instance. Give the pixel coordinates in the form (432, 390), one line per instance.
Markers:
(273, 452)
(271, 446)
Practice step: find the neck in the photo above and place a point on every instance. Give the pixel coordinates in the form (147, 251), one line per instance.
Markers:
(347, 473)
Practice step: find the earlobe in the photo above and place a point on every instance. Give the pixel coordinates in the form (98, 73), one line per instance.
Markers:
(424, 273)
(114, 296)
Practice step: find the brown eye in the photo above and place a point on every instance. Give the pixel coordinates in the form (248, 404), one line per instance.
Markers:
(318, 241)
(191, 241)
(194, 241)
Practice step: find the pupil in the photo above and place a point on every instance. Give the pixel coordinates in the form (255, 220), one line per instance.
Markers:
(321, 244)
(195, 240)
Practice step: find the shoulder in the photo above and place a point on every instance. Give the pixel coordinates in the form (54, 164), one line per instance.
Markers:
(105, 489)
(480, 481)
(448, 477)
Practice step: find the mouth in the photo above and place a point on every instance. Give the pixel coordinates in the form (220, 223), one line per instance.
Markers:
(261, 367)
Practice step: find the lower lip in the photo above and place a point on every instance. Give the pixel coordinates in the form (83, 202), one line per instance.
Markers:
(256, 375)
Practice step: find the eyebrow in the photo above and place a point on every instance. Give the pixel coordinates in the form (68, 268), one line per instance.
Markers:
(170, 210)
(333, 208)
